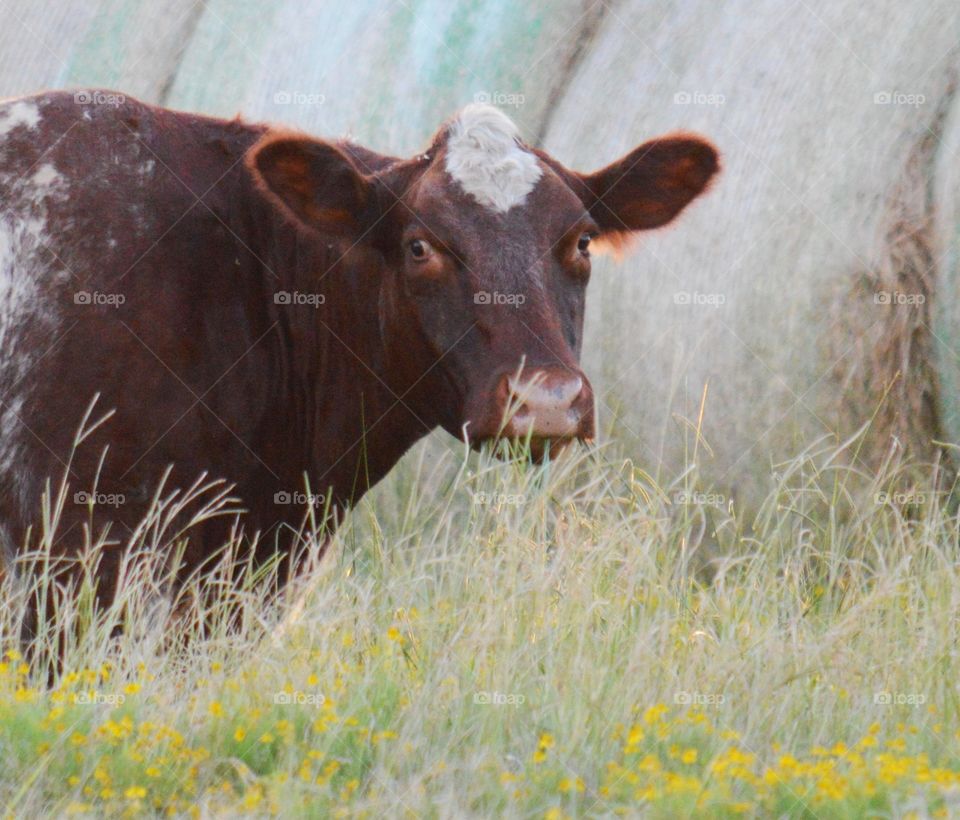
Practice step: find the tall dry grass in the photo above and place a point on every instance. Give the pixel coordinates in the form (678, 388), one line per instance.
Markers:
(499, 639)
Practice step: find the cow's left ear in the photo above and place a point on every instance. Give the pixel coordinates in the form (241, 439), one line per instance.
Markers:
(312, 181)
(649, 186)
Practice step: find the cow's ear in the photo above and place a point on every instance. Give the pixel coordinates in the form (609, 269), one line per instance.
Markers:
(649, 186)
(312, 181)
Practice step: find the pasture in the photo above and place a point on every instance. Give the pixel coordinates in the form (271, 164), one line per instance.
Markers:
(739, 599)
(489, 639)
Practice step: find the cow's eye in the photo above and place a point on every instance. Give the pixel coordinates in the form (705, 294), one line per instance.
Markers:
(420, 249)
(583, 243)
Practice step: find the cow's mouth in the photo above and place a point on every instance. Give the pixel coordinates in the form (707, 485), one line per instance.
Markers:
(537, 417)
(543, 448)
(536, 449)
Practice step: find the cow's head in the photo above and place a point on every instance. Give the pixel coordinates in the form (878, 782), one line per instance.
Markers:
(486, 250)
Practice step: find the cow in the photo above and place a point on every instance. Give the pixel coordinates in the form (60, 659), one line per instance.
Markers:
(249, 302)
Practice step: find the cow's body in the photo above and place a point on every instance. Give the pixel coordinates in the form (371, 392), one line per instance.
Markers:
(277, 311)
(204, 370)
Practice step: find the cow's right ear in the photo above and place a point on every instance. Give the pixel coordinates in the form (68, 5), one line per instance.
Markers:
(314, 182)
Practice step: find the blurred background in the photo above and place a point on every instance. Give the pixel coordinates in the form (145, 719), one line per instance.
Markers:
(810, 294)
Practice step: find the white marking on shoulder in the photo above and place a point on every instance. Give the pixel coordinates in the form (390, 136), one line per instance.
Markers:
(46, 176)
(484, 157)
(16, 114)
(24, 312)
(45, 184)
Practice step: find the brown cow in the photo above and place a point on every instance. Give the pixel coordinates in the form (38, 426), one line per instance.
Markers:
(266, 307)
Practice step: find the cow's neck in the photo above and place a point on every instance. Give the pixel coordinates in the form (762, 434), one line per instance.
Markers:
(330, 414)
(363, 425)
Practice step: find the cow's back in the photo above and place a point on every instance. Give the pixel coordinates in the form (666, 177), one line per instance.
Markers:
(125, 271)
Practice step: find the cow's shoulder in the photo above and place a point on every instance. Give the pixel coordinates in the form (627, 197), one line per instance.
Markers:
(98, 123)
(41, 114)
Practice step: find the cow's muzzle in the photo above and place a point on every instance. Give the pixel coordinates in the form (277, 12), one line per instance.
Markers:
(549, 407)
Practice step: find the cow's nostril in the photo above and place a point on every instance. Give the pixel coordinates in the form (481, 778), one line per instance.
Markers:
(547, 405)
(546, 392)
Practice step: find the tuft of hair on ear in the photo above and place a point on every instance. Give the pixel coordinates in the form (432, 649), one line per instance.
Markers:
(614, 243)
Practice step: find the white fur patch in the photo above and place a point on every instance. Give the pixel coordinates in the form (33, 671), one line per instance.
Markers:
(21, 271)
(45, 179)
(26, 273)
(484, 157)
(16, 114)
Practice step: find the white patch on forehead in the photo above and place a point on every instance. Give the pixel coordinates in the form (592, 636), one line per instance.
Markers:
(15, 114)
(484, 157)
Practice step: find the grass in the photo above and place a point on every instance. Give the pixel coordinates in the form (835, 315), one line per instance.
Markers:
(496, 639)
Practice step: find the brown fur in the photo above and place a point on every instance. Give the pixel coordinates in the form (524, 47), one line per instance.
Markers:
(208, 370)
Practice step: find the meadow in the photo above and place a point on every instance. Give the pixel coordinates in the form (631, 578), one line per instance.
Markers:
(489, 638)
(770, 632)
